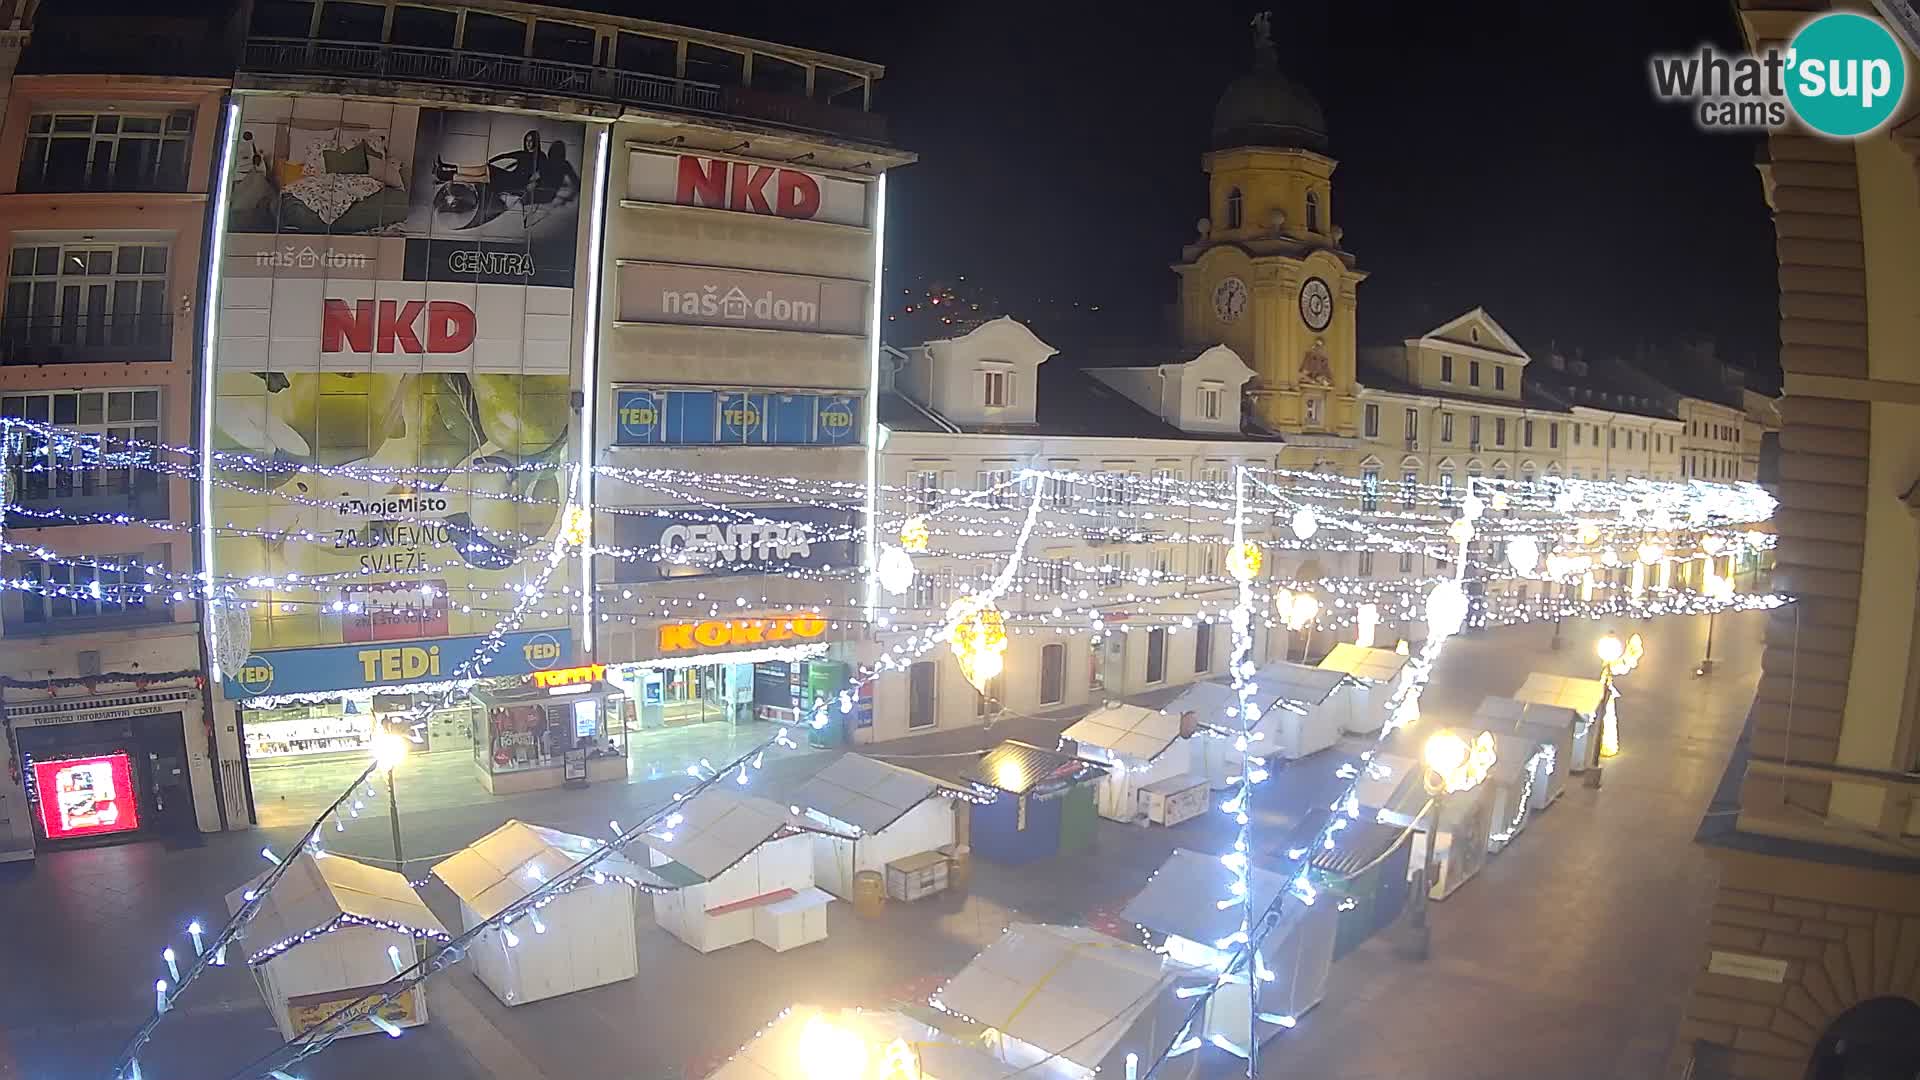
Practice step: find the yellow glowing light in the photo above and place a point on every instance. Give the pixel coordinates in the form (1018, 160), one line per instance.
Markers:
(1302, 610)
(1402, 648)
(978, 639)
(1717, 587)
(1651, 553)
(1610, 649)
(1453, 764)
(574, 525)
(914, 534)
(827, 1052)
(1609, 731)
(1461, 531)
(389, 749)
(1499, 501)
(1589, 532)
(1712, 543)
(900, 1062)
(1244, 562)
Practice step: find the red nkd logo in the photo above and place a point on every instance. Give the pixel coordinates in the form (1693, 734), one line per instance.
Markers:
(387, 326)
(737, 185)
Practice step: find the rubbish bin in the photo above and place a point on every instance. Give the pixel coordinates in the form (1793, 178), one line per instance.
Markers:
(869, 894)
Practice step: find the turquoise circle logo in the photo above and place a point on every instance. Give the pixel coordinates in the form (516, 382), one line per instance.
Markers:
(256, 675)
(1846, 74)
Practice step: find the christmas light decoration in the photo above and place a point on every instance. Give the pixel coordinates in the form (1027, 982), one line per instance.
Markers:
(894, 570)
(914, 534)
(1243, 561)
(1523, 554)
(1454, 765)
(978, 638)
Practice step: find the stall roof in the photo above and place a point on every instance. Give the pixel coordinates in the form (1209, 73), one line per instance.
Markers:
(1375, 665)
(1018, 768)
(864, 792)
(719, 828)
(1207, 701)
(513, 860)
(1391, 782)
(1180, 897)
(318, 890)
(1507, 714)
(1358, 846)
(775, 1054)
(1067, 990)
(1130, 731)
(1284, 680)
(1581, 695)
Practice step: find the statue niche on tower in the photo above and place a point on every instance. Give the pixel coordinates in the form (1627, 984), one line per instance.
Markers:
(1315, 368)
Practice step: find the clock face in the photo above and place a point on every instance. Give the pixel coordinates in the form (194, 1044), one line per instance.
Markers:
(1316, 304)
(1229, 299)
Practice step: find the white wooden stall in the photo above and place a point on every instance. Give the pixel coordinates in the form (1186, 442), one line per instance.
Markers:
(1144, 747)
(1581, 696)
(1376, 677)
(1070, 1002)
(320, 940)
(583, 937)
(1300, 711)
(1393, 789)
(1512, 779)
(861, 1045)
(1180, 902)
(742, 870)
(876, 814)
(1551, 726)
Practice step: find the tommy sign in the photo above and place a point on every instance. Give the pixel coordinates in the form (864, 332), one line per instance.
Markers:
(745, 187)
(716, 296)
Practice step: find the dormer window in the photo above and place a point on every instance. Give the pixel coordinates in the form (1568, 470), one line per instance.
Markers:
(996, 388)
(1313, 211)
(1210, 401)
(1236, 208)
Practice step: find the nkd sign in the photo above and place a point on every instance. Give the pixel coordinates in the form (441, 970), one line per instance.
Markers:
(395, 326)
(752, 299)
(745, 187)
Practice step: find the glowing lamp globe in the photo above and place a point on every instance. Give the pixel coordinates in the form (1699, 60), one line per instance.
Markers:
(389, 749)
(1461, 531)
(1472, 506)
(914, 534)
(1500, 501)
(1712, 543)
(1446, 609)
(978, 638)
(895, 570)
(1244, 562)
(1610, 649)
(1523, 554)
(1445, 753)
(1302, 610)
(1588, 533)
(827, 1052)
(1304, 524)
(1650, 554)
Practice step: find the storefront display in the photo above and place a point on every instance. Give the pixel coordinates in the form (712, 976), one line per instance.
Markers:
(90, 796)
(92, 773)
(527, 729)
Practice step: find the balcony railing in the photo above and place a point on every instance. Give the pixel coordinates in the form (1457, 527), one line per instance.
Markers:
(85, 339)
(373, 60)
(1832, 804)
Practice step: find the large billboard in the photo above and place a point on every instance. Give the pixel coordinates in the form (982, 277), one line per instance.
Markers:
(397, 302)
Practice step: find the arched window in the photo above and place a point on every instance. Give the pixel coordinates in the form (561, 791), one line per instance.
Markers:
(1313, 211)
(1236, 208)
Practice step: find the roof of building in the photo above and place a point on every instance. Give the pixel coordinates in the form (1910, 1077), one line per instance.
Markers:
(1374, 665)
(1580, 695)
(1177, 899)
(316, 891)
(1019, 768)
(1375, 379)
(865, 793)
(504, 866)
(718, 828)
(1265, 108)
(1130, 731)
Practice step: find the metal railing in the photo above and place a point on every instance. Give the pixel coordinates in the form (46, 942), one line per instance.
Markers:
(1881, 805)
(85, 339)
(403, 62)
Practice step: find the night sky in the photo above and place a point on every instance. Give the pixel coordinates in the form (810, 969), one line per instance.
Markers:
(1503, 154)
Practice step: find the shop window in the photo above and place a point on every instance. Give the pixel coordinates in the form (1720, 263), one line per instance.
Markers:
(1053, 674)
(646, 55)
(132, 150)
(352, 22)
(921, 679)
(69, 473)
(1202, 648)
(423, 28)
(76, 594)
(1156, 656)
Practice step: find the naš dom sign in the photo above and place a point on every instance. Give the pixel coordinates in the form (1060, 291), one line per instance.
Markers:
(735, 633)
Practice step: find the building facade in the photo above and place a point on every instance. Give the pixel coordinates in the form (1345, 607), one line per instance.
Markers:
(106, 152)
(1812, 964)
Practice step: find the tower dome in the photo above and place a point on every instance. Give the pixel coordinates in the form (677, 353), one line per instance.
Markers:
(1265, 108)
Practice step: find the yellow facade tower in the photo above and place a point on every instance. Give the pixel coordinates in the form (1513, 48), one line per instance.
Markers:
(1266, 276)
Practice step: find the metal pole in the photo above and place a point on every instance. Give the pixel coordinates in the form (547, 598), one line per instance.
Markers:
(393, 817)
(1706, 662)
(1597, 728)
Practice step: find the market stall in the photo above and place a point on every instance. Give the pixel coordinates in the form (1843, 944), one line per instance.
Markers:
(1392, 789)
(1180, 902)
(1509, 784)
(1069, 1002)
(1043, 803)
(581, 938)
(1365, 877)
(741, 869)
(811, 1043)
(1376, 675)
(1149, 755)
(1584, 697)
(328, 933)
(1553, 728)
(878, 815)
(1205, 705)
(1300, 711)
(550, 728)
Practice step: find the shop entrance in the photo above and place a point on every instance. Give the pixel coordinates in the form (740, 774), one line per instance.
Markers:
(300, 757)
(108, 781)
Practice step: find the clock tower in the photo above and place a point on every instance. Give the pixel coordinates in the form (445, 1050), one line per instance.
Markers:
(1267, 276)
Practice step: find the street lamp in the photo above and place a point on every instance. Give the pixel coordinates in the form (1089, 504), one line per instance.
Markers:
(1611, 651)
(1452, 764)
(1719, 590)
(389, 750)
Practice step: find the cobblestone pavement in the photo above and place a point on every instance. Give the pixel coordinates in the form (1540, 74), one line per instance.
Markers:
(1569, 956)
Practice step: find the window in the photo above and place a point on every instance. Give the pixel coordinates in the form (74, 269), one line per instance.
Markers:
(494, 34)
(1166, 482)
(1163, 560)
(115, 151)
(1577, 429)
(996, 389)
(1526, 433)
(1473, 334)
(1446, 482)
(708, 64)
(1202, 648)
(426, 28)
(1499, 376)
(1409, 486)
(1499, 431)
(1213, 475)
(1207, 565)
(922, 678)
(1236, 208)
(567, 43)
(1053, 674)
(929, 592)
(1113, 567)
(41, 472)
(991, 699)
(1473, 430)
(81, 297)
(995, 486)
(1413, 427)
(351, 22)
(1526, 472)
(1315, 407)
(1613, 438)
(1371, 420)
(1054, 576)
(1446, 427)
(1156, 655)
(1473, 373)
(1210, 403)
(1553, 436)
(1596, 433)
(1365, 567)
(1313, 211)
(1370, 488)
(1446, 369)
(114, 578)
(924, 484)
(1406, 562)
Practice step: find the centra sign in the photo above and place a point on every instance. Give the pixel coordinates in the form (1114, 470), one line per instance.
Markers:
(735, 633)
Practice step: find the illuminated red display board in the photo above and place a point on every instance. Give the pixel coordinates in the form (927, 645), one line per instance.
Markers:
(90, 796)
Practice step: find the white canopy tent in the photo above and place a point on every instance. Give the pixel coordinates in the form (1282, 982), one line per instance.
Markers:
(1180, 901)
(1070, 1002)
(1582, 696)
(1551, 726)
(1144, 746)
(1376, 677)
(808, 1043)
(321, 938)
(583, 937)
(877, 813)
(742, 868)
